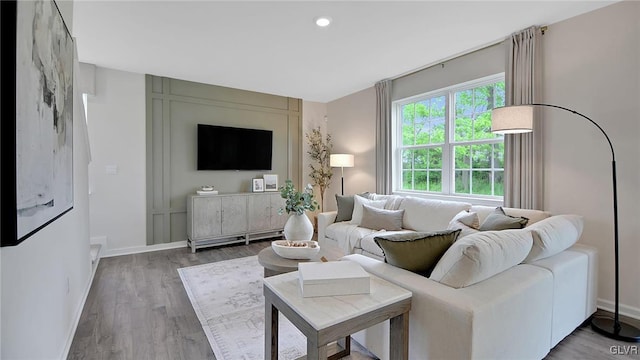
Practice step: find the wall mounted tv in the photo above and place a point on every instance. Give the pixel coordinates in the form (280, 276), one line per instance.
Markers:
(231, 148)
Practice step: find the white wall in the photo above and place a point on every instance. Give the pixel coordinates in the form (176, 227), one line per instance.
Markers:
(313, 116)
(116, 118)
(352, 123)
(44, 280)
(592, 65)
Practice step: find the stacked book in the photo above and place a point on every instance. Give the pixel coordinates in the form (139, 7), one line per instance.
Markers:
(333, 278)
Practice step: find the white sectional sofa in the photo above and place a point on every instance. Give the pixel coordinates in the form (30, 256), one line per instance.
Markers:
(520, 312)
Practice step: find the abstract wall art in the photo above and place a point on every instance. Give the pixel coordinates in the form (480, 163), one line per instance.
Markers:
(41, 121)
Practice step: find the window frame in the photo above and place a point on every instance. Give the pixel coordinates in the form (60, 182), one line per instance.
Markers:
(448, 158)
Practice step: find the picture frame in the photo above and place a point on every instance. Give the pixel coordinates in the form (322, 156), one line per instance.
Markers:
(257, 185)
(37, 118)
(270, 182)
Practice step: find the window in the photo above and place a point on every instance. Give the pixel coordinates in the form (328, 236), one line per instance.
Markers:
(444, 144)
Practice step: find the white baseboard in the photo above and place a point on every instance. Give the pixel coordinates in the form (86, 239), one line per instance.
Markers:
(79, 309)
(143, 249)
(625, 310)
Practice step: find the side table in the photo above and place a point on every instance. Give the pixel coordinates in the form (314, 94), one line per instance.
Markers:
(330, 318)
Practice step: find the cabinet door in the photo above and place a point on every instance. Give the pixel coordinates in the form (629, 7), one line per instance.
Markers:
(234, 214)
(278, 221)
(259, 212)
(206, 217)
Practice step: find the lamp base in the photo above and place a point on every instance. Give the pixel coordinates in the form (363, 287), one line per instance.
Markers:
(605, 326)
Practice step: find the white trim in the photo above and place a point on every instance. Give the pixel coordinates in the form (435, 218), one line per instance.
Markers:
(448, 146)
(143, 249)
(79, 309)
(626, 310)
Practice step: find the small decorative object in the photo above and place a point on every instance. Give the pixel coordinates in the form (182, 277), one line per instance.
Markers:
(207, 190)
(320, 152)
(301, 250)
(298, 226)
(270, 182)
(257, 185)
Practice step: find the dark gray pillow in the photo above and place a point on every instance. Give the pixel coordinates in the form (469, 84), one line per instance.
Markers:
(418, 252)
(498, 220)
(378, 219)
(345, 206)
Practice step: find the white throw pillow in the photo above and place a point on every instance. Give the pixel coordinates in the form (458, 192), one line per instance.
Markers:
(482, 255)
(468, 222)
(554, 235)
(358, 201)
(428, 214)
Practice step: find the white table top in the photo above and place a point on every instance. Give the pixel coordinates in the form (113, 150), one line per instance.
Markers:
(324, 311)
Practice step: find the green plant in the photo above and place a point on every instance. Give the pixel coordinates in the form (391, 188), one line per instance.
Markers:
(320, 151)
(297, 202)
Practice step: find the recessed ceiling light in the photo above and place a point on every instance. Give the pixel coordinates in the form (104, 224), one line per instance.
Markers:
(323, 21)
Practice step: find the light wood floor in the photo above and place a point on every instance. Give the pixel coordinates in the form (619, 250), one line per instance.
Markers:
(137, 309)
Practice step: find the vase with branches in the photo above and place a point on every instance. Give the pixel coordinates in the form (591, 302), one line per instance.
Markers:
(320, 150)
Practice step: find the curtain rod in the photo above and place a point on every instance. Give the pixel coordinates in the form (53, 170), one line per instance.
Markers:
(543, 29)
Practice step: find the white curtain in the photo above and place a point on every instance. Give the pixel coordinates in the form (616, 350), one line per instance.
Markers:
(383, 137)
(523, 178)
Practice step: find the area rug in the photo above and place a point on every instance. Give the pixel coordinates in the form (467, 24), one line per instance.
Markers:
(227, 298)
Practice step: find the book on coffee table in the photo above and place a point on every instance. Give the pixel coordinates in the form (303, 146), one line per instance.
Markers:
(333, 278)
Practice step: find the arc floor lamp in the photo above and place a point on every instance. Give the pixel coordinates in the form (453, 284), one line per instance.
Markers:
(519, 119)
(342, 161)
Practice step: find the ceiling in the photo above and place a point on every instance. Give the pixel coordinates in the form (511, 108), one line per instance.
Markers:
(276, 48)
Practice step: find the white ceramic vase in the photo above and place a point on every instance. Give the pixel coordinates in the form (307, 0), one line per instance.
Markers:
(298, 227)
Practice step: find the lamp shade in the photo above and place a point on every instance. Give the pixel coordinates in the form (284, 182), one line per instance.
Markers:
(341, 160)
(512, 119)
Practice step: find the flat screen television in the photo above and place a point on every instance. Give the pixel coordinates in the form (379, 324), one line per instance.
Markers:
(231, 148)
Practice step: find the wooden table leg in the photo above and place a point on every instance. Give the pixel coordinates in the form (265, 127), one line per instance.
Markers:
(315, 352)
(345, 344)
(270, 330)
(399, 337)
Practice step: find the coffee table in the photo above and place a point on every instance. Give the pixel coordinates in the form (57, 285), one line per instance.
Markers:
(327, 319)
(274, 264)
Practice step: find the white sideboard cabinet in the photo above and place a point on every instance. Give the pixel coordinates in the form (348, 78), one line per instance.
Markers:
(230, 218)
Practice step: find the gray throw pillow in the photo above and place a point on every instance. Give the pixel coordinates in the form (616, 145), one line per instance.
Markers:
(379, 219)
(498, 220)
(417, 252)
(345, 206)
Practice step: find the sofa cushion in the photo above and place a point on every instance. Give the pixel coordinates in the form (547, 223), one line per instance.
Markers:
(369, 245)
(482, 255)
(380, 219)
(348, 236)
(498, 220)
(356, 217)
(345, 206)
(418, 251)
(429, 215)
(467, 222)
(533, 215)
(393, 201)
(554, 235)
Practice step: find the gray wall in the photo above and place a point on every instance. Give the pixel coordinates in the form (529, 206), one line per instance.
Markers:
(472, 66)
(174, 108)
